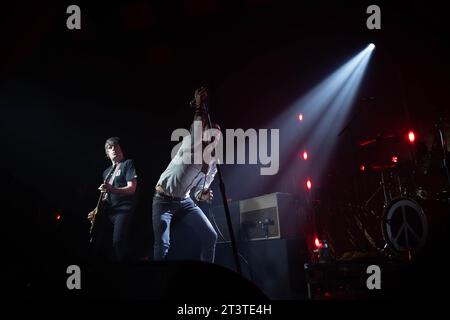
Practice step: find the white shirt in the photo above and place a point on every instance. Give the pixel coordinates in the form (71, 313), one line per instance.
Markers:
(180, 178)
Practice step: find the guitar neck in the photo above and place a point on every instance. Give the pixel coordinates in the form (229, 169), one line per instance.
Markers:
(102, 194)
(100, 199)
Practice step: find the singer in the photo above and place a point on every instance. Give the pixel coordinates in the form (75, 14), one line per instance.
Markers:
(111, 236)
(173, 190)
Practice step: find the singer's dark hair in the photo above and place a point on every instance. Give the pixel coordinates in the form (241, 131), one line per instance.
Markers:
(111, 142)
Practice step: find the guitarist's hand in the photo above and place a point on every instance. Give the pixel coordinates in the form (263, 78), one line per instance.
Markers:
(91, 215)
(106, 187)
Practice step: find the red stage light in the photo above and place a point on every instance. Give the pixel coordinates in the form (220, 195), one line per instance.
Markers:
(300, 117)
(309, 184)
(411, 136)
(317, 242)
(394, 159)
(305, 155)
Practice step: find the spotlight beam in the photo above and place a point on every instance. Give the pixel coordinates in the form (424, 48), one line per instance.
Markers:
(328, 105)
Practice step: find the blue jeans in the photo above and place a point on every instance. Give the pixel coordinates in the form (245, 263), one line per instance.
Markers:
(164, 209)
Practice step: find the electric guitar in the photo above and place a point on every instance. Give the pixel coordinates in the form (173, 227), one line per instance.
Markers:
(97, 209)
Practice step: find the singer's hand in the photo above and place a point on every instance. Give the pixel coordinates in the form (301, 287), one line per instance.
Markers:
(200, 97)
(206, 195)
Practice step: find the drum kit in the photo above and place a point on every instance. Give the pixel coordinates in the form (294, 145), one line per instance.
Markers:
(404, 207)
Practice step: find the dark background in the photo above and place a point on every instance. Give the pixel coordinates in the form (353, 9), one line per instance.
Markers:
(131, 71)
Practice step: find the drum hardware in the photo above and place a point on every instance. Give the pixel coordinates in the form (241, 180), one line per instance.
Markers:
(440, 126)
(387, 189)
(404, 225)
(396, 235)
(402, 209)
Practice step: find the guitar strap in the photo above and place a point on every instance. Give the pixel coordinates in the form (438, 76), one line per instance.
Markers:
(111, 179)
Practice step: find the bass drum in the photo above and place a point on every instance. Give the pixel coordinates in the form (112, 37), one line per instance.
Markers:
(405, 225)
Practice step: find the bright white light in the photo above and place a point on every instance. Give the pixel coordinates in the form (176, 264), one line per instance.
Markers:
(328, 105)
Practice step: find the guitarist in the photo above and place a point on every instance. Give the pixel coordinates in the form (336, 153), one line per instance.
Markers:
(111, 218)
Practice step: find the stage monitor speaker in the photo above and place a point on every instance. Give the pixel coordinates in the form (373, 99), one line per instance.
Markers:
(275, 266)
(272, 216)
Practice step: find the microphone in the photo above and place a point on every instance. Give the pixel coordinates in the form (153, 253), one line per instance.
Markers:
(201, 90)
(193, 105)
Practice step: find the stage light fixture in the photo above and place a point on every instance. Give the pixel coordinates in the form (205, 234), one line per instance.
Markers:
(317, 242)
(309, 184)
(411, 136)
(305, 155)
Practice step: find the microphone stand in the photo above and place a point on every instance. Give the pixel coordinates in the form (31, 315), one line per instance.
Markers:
(225, 203)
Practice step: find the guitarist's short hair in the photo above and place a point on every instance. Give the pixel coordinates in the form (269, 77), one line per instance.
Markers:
(110, 142)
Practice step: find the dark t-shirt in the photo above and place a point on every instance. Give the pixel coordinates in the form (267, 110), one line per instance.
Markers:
(125, 173)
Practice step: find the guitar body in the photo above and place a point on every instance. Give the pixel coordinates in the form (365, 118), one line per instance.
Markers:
(95, 212)
(98, 208)
(92, 229)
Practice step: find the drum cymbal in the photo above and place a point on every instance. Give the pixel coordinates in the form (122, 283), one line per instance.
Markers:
(378, 139)
(381, 167)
